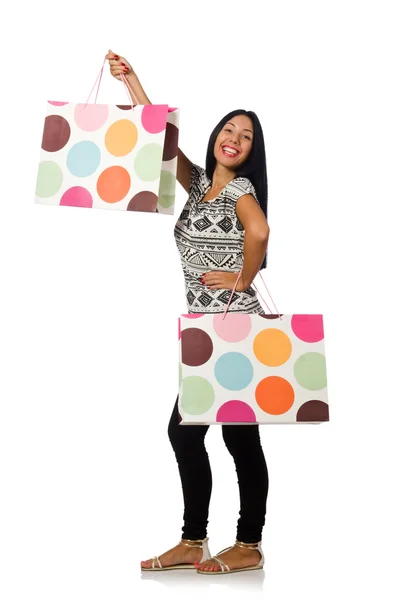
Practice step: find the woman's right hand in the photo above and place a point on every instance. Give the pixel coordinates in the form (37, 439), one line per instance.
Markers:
(118, 65)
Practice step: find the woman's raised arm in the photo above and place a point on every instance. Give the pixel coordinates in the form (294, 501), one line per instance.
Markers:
(119, 65)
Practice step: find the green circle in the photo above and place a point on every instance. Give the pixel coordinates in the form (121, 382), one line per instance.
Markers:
(167, 189)
(197, 395)
(148, 162)
(310, 372)
(49, 179)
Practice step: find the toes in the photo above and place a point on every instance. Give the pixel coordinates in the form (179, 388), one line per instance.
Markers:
(146, 563)
(208, 566)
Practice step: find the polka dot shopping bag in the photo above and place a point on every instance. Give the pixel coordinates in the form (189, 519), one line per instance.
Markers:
(119, 157)
(251, 368)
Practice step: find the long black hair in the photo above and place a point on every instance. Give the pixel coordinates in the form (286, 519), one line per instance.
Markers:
(254, 168)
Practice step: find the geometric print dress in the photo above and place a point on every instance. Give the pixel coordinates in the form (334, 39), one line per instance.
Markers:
(209, 237)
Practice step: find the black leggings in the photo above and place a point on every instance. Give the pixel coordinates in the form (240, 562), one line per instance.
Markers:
(243, 443)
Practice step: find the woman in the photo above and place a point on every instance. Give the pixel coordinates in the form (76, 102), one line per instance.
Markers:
(222, 225)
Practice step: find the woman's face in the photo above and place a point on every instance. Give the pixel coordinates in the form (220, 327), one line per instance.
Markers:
(234, 142)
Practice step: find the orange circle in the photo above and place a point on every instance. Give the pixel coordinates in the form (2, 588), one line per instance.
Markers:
(121, 137)
(272, 347)
(274, 395)
(113, 184)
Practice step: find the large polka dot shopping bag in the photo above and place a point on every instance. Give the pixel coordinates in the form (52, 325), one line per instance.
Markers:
(247, 368)
(121, 157)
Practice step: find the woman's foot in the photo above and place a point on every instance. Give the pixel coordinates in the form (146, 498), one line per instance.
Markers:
(181, 554)
(235, 558)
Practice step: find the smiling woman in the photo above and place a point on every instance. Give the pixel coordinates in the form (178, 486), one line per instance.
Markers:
(222, 226)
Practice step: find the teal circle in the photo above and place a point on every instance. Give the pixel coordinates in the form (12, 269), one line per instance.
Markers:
(167, 189)
(233, 371)
(148, 160)
(197, 395)
(83, 159)
(49, 179)
(310, 371)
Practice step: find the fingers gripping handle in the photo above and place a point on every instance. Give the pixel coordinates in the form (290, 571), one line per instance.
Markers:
(127, 86)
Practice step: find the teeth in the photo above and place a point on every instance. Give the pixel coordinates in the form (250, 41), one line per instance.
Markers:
(230, 151)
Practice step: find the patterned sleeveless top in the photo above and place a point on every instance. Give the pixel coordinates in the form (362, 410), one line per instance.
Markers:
(209, 237)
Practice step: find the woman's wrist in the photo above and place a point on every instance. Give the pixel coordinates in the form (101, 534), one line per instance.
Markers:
(243, 284)
(131, 76)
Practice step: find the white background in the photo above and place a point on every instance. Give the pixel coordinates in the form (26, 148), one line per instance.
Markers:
(90, 301)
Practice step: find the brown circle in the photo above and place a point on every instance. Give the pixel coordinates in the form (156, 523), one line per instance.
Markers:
(313, 410)
(143, 201)
(56, 133)
(124, 106)
(270, 316)
(171, 142)
(197, 347)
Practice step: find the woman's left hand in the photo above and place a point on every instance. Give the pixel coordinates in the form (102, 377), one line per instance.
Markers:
(222, 280)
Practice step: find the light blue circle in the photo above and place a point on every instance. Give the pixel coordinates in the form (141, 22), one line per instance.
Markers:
(83, 159)
(233, 371)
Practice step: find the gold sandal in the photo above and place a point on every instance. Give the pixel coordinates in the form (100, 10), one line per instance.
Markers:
(203, 544)
(224, 567)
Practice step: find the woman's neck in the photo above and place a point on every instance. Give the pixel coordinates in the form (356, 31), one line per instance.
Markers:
(221, 177)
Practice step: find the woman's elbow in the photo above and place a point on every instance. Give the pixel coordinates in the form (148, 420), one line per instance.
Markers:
(266, 234)
(262, 234)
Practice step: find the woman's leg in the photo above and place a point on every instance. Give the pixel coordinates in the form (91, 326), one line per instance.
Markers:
(194, 468)
(195, 472)
(243, 443)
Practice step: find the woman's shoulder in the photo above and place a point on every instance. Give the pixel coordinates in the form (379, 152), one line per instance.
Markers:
(243, 181)
(198, 177)
(198, 172)
(241, 186)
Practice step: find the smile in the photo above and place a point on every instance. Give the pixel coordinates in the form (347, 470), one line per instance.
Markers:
(229, 151)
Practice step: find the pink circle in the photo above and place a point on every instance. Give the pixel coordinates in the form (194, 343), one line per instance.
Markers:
(232, 328)
(179, 328)
(91, 116)
(154, 117)
(76, 196)
(308, 328)
(54, 103)
(193, 315)
(235, 411)
(171, 109)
